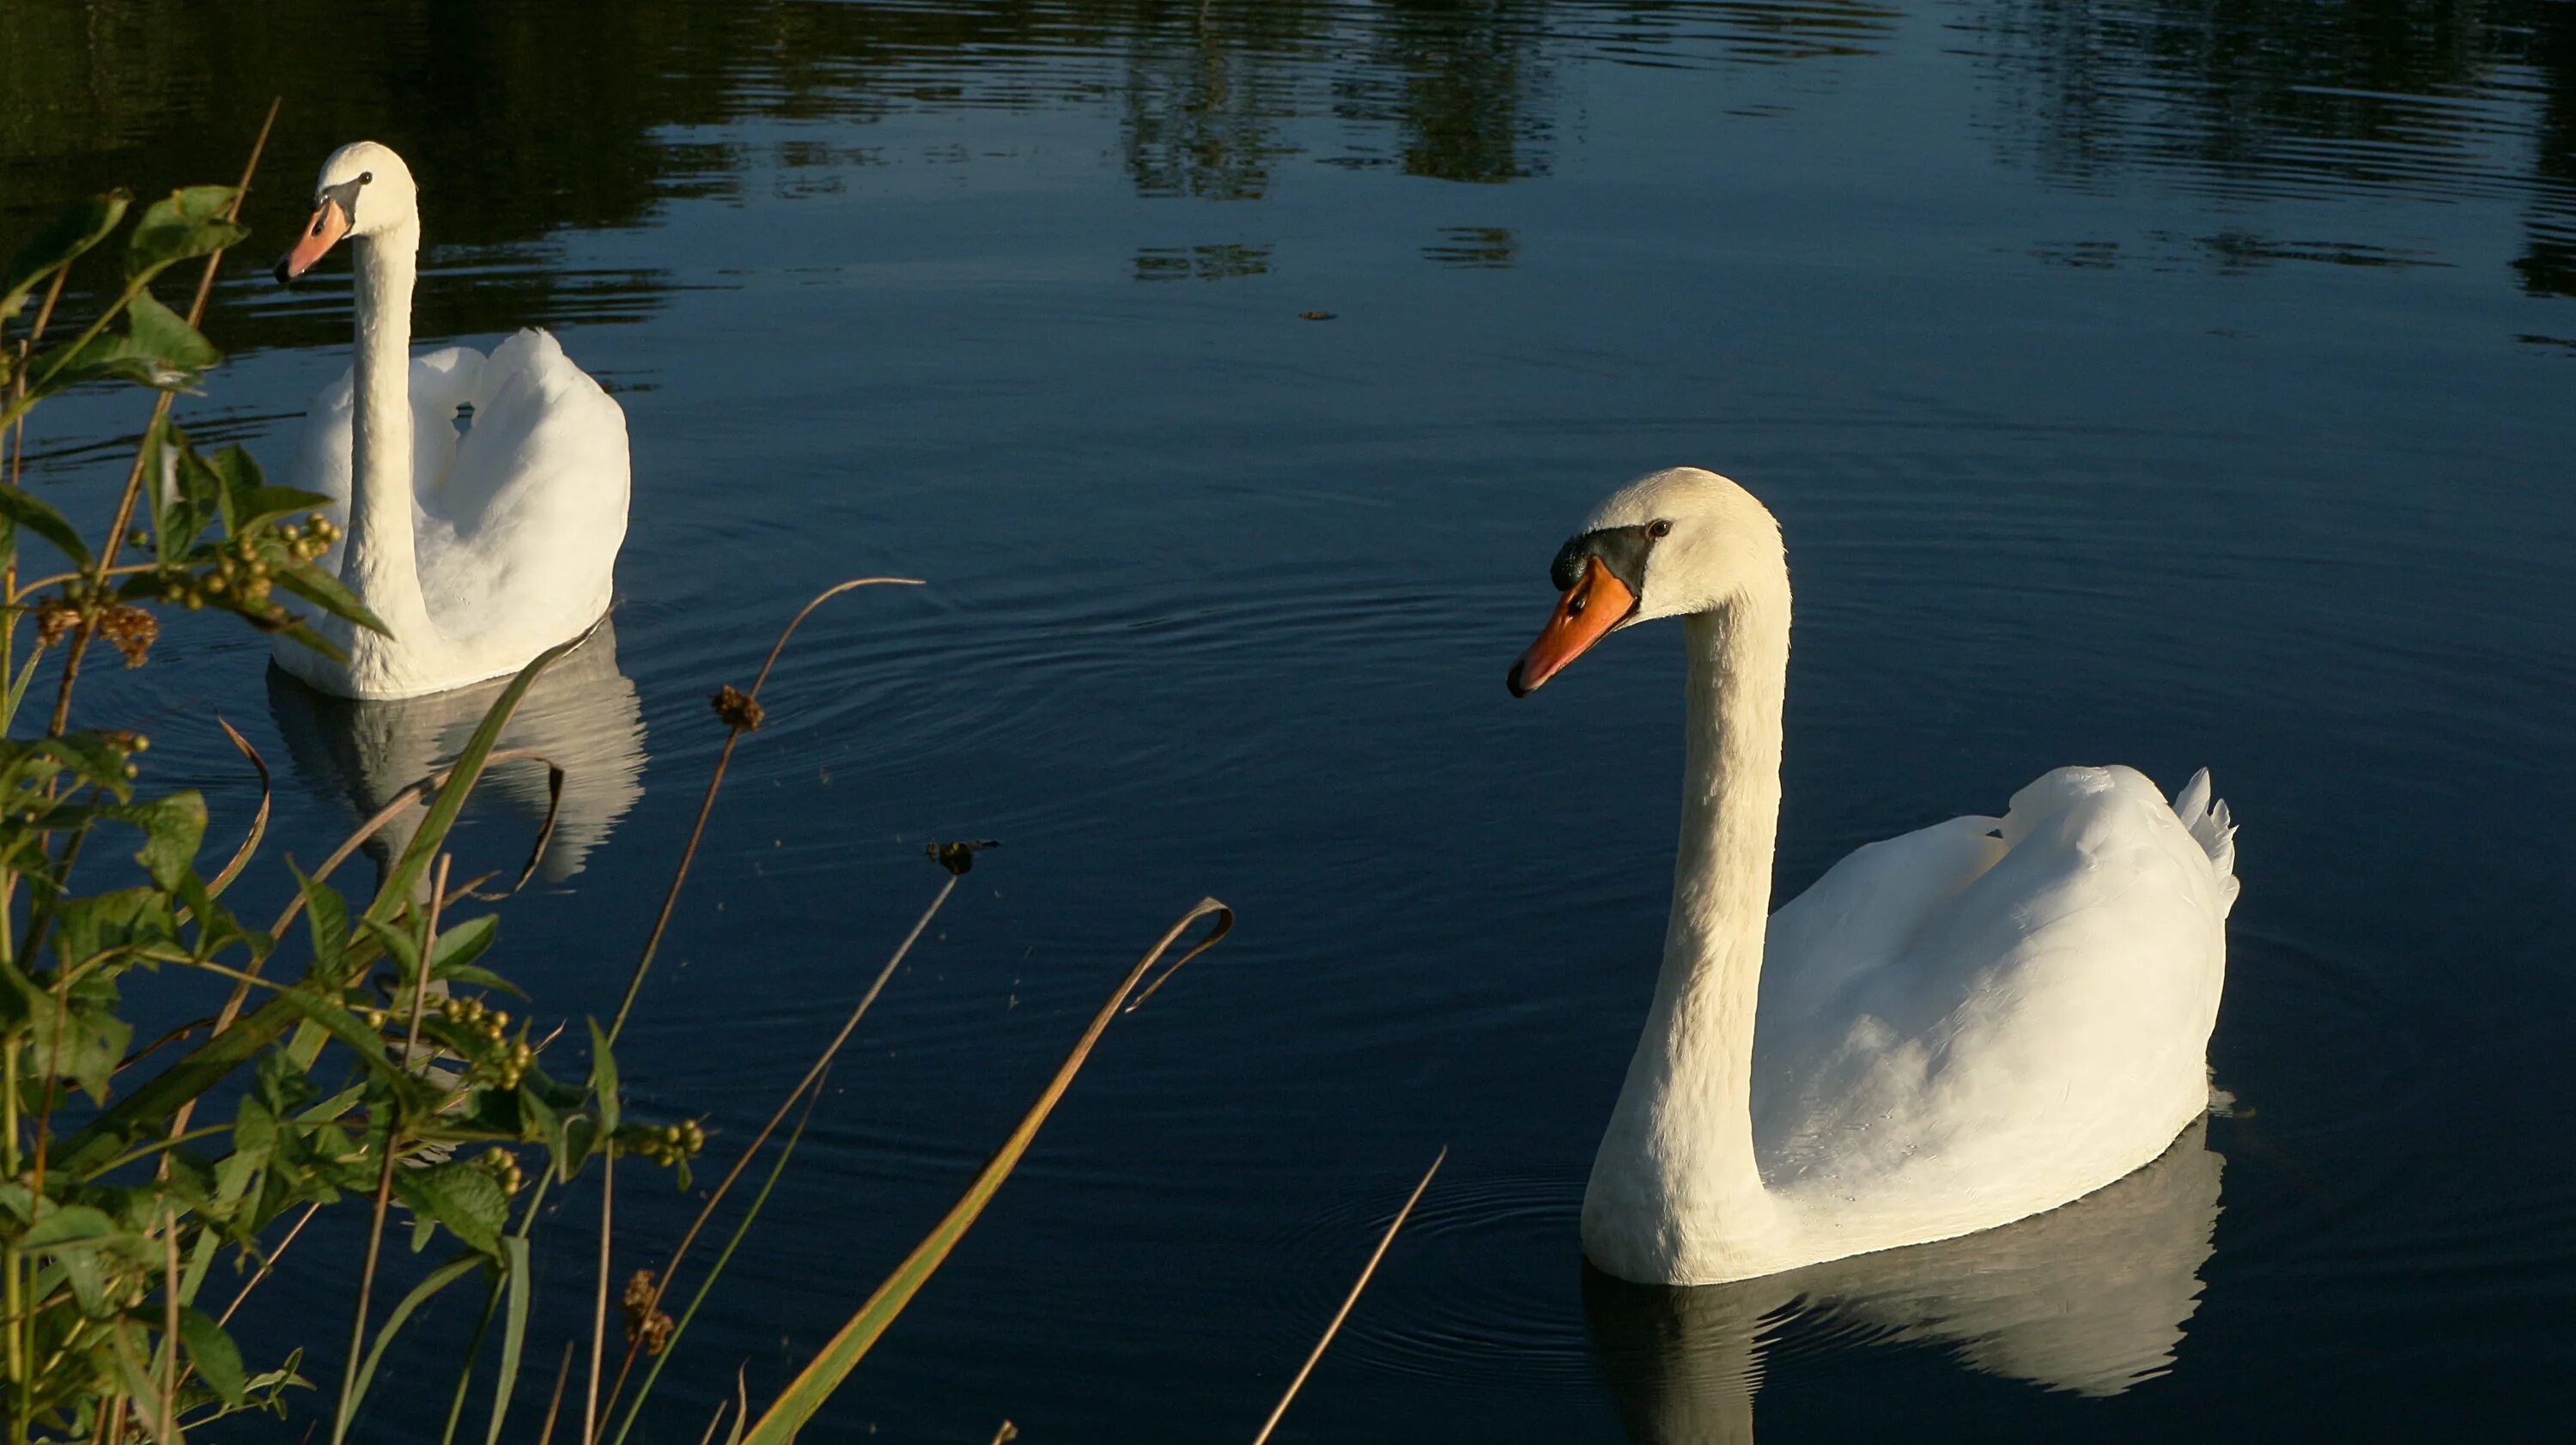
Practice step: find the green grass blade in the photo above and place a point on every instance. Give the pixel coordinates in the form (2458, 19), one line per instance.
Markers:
(514, 1332)
(396, 893)
(473, 1352)
(438, 1279)
(716, 1271)
(815, 1384)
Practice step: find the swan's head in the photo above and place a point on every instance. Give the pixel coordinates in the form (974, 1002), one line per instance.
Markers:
(1666, 545)
(364, 190)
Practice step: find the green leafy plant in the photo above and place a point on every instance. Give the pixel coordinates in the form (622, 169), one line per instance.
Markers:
(346, 1066)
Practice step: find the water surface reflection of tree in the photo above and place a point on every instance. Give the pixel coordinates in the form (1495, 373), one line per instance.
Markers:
(529, 120)
(2425, 98)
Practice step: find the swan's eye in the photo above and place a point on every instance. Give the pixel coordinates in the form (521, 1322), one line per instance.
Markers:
(1659, 529)
(365, 176)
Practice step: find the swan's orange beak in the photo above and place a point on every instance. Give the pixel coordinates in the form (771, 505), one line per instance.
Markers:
(320, 234)
(1595, 603)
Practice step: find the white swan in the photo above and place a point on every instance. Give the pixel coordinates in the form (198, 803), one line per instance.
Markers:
(1957, 1028)
(477, 551)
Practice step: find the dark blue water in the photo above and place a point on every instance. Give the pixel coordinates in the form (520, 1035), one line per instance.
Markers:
(2140, 382)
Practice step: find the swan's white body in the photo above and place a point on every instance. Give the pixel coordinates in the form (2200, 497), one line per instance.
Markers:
(480, 550)
(1949, 1031)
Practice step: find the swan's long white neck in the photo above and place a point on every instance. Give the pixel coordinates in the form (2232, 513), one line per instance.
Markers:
(1680, 1143)
(379, 564)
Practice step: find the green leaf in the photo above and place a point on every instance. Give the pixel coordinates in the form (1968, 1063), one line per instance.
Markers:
(172, 827)
(247, 500)
(146, 1110)
(125, 918)
(297, 631)
(365, 1042)
(93, 756)
(581, 1134)
(402, 948)
(157, 348)
(460, 1196)
(603, 1078)
(24, 509)
(310, 582)
(68, 1224)
(82, 225)
(467, 973)
(459, 946)
(189, 492)
(218, 1362)
(78, 1038)
(26, 672)
(326, 916)
(188, 224)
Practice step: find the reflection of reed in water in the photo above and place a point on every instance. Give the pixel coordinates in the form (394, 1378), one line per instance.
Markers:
(582, 714)
(2090, 1298)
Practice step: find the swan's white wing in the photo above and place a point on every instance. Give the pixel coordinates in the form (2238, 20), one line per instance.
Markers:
(2034, 1035)
(1863, 912)
(519, 547)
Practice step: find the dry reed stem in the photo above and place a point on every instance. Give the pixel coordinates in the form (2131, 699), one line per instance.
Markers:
(599, 1309)
(1350, 1299)
(795, 1404)
(562, 1372)
(268, 1264)
(733, 735)
(160, 408)
(170, 1323)
(721, 1407)
(812, 1080)
(258, 822)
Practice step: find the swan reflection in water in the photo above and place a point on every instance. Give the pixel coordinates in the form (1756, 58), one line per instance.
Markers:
(2090, 1298)
(581, 712)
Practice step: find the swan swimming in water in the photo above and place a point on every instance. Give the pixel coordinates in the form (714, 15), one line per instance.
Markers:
(1948, 1031)
(477, 551)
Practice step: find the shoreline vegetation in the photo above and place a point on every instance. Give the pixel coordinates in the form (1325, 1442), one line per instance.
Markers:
(361, 1061)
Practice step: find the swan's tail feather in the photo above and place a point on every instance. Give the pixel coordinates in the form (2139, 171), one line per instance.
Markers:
(2213, 830)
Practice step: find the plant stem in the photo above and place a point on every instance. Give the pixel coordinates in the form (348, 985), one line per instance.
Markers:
(812, 1081)
(1350, 1299)
(21, 1366)
(599, 1310)
(170, 1324)
(366, 1286)
(269, 1264)
(697, 830)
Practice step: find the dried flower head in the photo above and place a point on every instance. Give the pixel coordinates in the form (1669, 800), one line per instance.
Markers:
(645, 1325)
(131, 630)
(54, 617)
(738, 709)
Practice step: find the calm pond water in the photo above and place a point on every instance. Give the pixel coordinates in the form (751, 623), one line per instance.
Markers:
(2137, 381)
